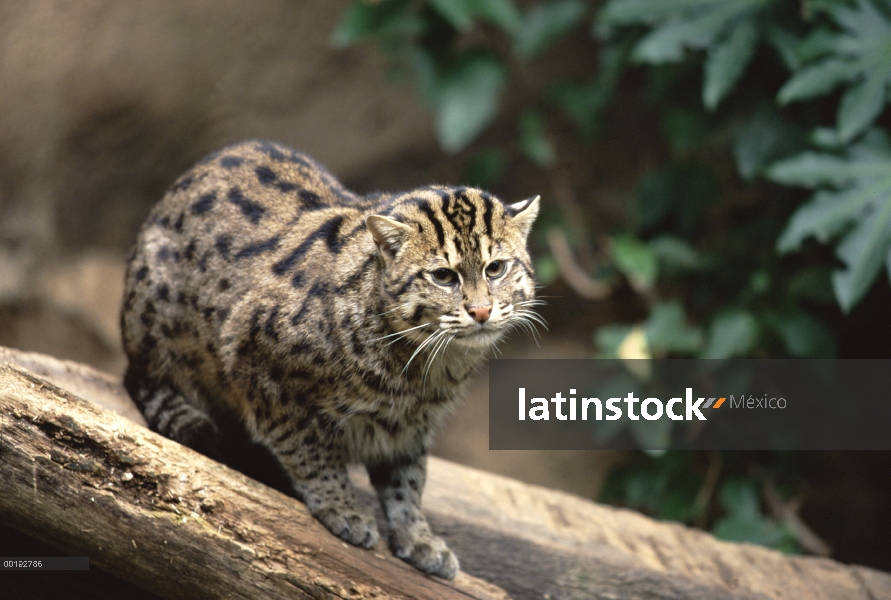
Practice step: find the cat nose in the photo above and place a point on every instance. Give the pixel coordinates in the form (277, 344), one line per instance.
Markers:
(480, 313)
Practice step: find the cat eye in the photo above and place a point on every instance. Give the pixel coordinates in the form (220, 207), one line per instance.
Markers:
(444, 276)
(495, 269)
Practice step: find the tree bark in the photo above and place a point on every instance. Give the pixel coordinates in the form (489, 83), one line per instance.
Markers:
(171, 520)
(180, 525)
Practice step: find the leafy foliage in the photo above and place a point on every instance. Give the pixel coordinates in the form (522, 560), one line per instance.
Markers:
(677, 487)
(856, 206)
(727, 29)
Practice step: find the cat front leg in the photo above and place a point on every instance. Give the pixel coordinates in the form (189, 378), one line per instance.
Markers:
(319, 476)
(399, 487)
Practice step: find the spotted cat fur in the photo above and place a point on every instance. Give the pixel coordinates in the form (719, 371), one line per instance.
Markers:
(338, 328)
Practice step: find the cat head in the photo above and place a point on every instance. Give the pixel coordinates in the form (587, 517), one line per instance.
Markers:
(455, 264)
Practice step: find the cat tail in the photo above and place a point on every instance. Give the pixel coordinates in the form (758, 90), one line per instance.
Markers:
(169, 413)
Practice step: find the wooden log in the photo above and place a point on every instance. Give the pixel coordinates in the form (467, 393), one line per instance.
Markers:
(171, 520)
(181, 525)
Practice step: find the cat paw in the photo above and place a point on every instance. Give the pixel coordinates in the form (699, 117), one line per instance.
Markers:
(355, 528)
(430, 555)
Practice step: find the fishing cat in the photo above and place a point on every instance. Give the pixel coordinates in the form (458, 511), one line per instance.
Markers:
(338, 328)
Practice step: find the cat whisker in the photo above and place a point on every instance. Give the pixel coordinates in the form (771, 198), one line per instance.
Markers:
(439, 347)
(386, 312)
(532, 316)
(430, 339)
(401, 333)
(535, 302)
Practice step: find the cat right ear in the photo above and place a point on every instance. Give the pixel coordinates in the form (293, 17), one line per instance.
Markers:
(524, 213)
(389, 235)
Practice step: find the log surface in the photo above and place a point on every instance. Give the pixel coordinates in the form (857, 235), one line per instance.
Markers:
(183, 526)
(171, 520)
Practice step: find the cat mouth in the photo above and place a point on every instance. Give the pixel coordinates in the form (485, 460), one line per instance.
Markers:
(479, 336)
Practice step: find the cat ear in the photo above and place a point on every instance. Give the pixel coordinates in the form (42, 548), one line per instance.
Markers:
(524, 213)
(389, 234)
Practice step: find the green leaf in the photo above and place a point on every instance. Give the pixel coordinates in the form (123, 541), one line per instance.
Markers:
(816, 80)
(859, 209)
(763, 139)
(786, 45)
(636, 12)
(674, 252)
(546, 270)
(827, 215)
(860, 106)
(534, 141)
(727, 61)
(363, 19)
(863, 251)
(468, 100)
(635, 259)
(813, 169)
(818, 43)
(693, 29)
(731, 334)
(608, 339)
(744, 521)
(667, 330)
(544, 23)
(860, 54)
(805, 336)
(503, 13)
(459, 13)
(826, 138)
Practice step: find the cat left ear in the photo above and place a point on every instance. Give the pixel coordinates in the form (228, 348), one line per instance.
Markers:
(389, 235)
(524, 213)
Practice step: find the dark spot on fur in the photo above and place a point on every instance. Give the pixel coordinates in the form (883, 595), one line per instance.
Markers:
(417, 314)
(142, 273)
(231, 162)
(203, 204)
(148, 342)
(182, 184)
(164, 293)
(222, 245)
(148, 314)
(265, 175)
(327, 231)
(250, 209)
(273, 151)
(178, 226)
(269, 326)
(223, 285)
(310, 200)
(258, 248)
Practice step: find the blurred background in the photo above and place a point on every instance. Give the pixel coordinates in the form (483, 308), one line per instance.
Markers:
(715, 176)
